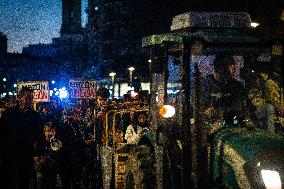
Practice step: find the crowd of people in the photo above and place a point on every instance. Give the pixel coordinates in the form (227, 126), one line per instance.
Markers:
(55, 145)
(64, 142)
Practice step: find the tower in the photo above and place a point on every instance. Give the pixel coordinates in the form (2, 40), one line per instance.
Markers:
(71, 17)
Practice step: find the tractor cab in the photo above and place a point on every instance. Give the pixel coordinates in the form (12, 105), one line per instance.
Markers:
(216, 107)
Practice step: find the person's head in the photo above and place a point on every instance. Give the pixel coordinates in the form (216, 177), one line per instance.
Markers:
(49, 130)
(103, 93)
(25, 97)
(142, 119)
(225, 66)
(132, 114)
(126, 97)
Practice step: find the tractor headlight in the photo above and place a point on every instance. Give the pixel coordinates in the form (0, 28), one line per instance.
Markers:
(167, 111)
(271, 179)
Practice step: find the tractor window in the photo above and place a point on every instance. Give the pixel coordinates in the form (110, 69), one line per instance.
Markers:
(218, 90)
(174, 78)
(206, 67)
(265, 95)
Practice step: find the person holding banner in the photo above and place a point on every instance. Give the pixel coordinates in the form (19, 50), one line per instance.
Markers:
(20, 126)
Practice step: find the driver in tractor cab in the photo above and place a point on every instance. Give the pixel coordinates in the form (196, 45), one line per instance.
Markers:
(224, 94)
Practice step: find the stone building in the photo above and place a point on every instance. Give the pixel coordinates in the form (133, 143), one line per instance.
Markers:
(3, 45)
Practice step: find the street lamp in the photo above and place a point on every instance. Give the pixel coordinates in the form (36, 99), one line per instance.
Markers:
(131, 69)
(112, 75)
(254, 24)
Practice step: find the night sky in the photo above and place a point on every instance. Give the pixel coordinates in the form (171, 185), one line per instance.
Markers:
(30, 21)
(38, 21)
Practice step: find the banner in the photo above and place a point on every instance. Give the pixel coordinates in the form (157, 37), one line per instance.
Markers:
(82, 88)
(40, 88)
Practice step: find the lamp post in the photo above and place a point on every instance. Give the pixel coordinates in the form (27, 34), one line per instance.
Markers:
(112, 75)
(254, 24)
(131, 69)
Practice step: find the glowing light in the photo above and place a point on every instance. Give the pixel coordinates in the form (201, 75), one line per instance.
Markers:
(131, 69)
(15, 85)
(130, 88)
(51, 92)
(57, 93)
(4, 79)
(167, 111)
(55, 89)
(149, 60)
(96, 8)
(133, 94)
(112, 74)
(10, 93)
(4, 94)
(254, 24)
(52, 81)
(271, 179)
(63, 93)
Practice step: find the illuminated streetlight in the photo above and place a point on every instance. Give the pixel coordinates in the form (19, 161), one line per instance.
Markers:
(112, 75)
(254, 24)
(131, 69)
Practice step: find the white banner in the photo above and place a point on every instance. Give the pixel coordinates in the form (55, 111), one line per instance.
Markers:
(40, 89)
(82, 88)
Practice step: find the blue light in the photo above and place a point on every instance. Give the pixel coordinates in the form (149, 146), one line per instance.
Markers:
(96, 8)
(15, 85)
(55, 89)
(51, 92)
(4, 79)
(63, 94)
(52, 81)
(56, 93)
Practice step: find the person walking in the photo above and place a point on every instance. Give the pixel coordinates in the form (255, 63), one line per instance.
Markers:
(20, 126)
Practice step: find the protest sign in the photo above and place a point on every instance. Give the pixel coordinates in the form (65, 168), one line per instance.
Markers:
(82, 88)
(40, 90)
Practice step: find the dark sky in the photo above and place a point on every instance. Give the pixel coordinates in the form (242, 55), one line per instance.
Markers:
(38, 21)
(29, 21)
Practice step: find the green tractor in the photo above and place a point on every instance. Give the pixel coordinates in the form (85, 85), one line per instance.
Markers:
(193, 149)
